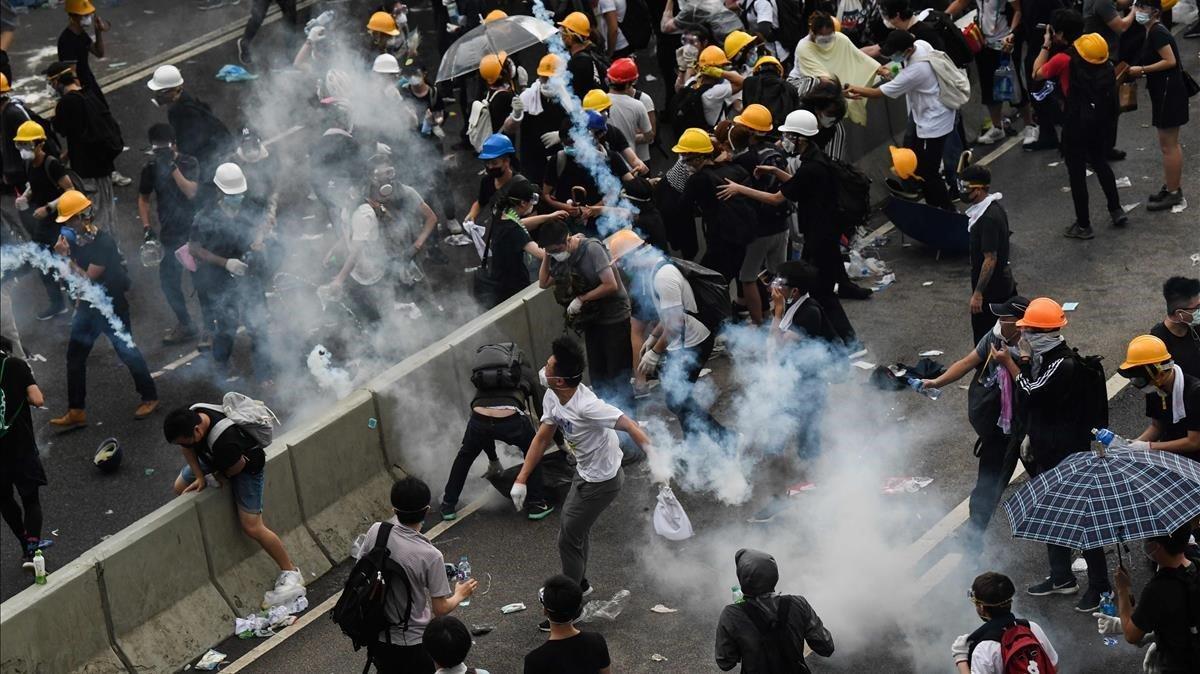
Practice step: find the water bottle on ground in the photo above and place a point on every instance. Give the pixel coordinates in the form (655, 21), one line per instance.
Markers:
(1109, 439)
(39, 568)
(1107, 605)
(464, 573)
(738, 597)
(927, 391)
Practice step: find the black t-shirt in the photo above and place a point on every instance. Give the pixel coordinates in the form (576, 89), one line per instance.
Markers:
(584, 653)
(533, 153)
(77, 47)
(812, 189)
(1159, 408)
(17, 418)
(229, 447)
(223, 233)
(499, 107)
(103, 252)
(262, 177)
(614, 140)
(771, 219)
(585, 76)
(44, 181)
(573, 174)
(1163, 84)
(488, 194)
(733, 220)
(72, 120)
(810, 321)
(506, 260)
(175, 210)
(990, 235)
(1185, 351)
(1163, 609)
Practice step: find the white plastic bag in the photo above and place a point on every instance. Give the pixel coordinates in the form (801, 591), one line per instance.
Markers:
(670, 521)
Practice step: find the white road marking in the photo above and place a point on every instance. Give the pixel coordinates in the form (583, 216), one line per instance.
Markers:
(178, 362)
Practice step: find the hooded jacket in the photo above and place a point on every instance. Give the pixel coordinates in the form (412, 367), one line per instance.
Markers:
(738, 640)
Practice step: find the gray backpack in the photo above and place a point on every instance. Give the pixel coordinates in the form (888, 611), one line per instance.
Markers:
(252, 416)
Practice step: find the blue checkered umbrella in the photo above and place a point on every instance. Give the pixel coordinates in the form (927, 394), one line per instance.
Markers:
(1093, 499)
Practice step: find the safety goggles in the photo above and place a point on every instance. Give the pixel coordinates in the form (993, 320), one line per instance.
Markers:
(979, 602)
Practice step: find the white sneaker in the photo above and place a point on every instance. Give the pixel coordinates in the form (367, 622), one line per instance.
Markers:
(1031, 135)
(993, 135)
(119, 179)
(289, 586)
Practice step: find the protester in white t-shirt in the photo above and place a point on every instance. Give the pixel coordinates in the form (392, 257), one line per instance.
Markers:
(589, 425)
(631, 110)
(612, 12)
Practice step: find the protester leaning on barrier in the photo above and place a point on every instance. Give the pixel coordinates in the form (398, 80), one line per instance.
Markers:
(1172, 398)
(20, 464)
(743, 625)
(567, 649)
(983, 651)
(1180, 329)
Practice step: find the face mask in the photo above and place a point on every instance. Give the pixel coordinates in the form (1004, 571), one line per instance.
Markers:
(560, 256)
(233, 200)
(27, 155)
(788, 145)
(542, 378)
(887, 23)
(1194, 321)
(826, 121)
(256, 154)
(569, 150)
(86, 21)
(495, 171)
(1041, 342)
(1140, 383)
(163, 153)
(1142, 17)
(898, 59)
(824, 40)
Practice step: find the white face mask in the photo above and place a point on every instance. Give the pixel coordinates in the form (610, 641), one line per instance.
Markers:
(824, 40)
(561, 256)
(1195, 317)
(542, 378)
(788, 145)
(86, 21)
(826, 121)
(1142, 17)
(27, 155)
(887, 23)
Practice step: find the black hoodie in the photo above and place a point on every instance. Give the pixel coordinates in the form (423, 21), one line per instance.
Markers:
(738, 640)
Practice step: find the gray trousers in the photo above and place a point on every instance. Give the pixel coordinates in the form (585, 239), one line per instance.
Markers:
(583, 506)
(100, 191)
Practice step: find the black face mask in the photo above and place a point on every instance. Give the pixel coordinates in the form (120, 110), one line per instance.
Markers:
(495, 171)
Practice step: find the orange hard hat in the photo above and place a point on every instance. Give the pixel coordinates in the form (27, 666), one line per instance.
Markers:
(622, 242)
(491, 66)
(382, 22)
(577, 23)
(1043, 313)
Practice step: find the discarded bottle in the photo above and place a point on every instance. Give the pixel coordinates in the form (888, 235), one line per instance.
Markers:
(39, 568)
(452, 10)
(1109, 439)
(1111, 642)
(738, 597)
(927, 391)
(464, 573)
(151, 252)
(608, 610)
(1107, 605)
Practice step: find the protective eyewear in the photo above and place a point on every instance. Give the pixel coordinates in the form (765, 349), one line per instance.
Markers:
(979, 602)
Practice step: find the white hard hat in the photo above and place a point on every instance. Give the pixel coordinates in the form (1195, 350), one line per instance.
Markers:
(165, 77)
(230, 179)
(802, 122)
(386, 63)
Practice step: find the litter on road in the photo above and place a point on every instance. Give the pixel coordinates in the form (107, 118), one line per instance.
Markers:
(512, 608)
(658, 658)
(210, 661)
(1124, 181)
(659, 608)
(1070, 306)
(905, 485)
(931, 353)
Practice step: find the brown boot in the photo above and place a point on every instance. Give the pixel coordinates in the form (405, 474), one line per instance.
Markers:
(72, 419)
(145, 409)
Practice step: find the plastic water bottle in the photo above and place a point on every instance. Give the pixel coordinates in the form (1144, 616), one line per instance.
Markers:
(39, 568)
(1107, 605)
(738, 597)
(1109, 439)
(927, 391)
(464, 573)
(452, 10)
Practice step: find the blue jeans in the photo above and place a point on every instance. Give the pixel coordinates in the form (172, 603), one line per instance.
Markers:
(87, 325)
(247, 487)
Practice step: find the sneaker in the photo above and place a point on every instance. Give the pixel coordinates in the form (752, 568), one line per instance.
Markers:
(179, 335)
(641, 391)
(1031, 135)
(1049, 587)
(52, 311)
(586, 587)
(538, 511)
(1090, 601)
(1161, 194)
(1077, 232)
(243, 51)
(1115, 155)
(1119, 217)
(1169, 201)
(1041, 144)
(119, 179)
(205, 342)
(544, 625)
(145, 409)
(448, 513)
(289, 586)
(848, 290)
(494, 469)
(992, 135)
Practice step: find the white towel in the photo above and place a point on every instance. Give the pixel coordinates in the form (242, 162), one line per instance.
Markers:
(975, 211)
(1177, 410)
(532, 98)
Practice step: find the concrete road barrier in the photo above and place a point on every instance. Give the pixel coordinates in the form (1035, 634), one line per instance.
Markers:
(163, 606)
(545, 316)
(59, 626)
(241, 570)
(340, 475)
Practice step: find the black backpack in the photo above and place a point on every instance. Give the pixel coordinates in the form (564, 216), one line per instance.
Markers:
(710, 288)
(953, 43)
(361, 611)
(780, 654)
(636, 24)
(853, 203)
(51, 145)
(1092, 100)
(687, 109)
(102, 130)
(773, 92)
(497, 366)
(769, 156)
(1091, 387)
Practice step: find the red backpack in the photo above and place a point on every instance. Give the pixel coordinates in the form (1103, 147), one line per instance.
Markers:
(1022, 653)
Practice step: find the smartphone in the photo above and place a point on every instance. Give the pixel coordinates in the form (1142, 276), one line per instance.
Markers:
(1042, 26)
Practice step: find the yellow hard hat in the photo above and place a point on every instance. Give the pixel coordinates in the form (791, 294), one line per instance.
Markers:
(1044, 313)
(756, 117)
(4, 86)
(596, 100)
(70, 204)
(1145, 350)
(1092, 48)
(904, 162)
(79, 7)
(737, 41)
(622, 242)
(28, 132)
(577, 23)
(382, 22)
(548, 66)
(495, 15)
(712, 56)
(694, 141)
(768, 60)
(491, 65)
(1168, 4)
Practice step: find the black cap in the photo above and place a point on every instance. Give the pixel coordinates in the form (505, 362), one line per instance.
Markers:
(58, 68)
(897, 41)
(1013, 308)
(638, 189)
(1152, 4)
(976, 174)
(520, 190)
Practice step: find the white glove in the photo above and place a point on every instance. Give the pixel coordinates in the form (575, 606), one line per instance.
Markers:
(236, 267)
(646, 346)
(648, 365)
(22, 201)
(518, 105)
(550, 139)
(959, 649)
(1151, 658)
(317, 34)
(575, 307)
(1107, 624)
(517, 494)
(1139, 444)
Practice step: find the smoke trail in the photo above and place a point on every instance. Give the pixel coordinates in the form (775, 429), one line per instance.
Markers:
(15, 256)
(329, 377)
(586, 152)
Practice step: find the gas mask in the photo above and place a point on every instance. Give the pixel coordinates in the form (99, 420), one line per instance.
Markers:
(381, 180)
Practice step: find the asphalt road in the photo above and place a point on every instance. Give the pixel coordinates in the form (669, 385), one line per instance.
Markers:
(841, 547)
